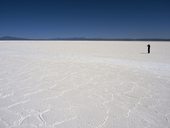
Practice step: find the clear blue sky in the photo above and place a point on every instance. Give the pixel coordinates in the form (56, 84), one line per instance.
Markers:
(85, 18)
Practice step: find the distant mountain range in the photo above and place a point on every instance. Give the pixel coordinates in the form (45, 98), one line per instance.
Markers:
(81, 38)
(12, 38)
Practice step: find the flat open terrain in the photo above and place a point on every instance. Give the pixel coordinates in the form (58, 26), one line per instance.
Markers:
(84, 84)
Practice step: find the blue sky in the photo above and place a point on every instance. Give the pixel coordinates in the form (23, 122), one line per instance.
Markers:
(85, 18)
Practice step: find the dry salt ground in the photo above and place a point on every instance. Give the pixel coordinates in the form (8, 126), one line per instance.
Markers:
(84, 84)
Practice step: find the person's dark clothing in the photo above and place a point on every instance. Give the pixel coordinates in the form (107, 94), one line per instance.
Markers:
(148, 48)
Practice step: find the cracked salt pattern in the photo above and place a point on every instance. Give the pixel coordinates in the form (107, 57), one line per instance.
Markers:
(71, 91)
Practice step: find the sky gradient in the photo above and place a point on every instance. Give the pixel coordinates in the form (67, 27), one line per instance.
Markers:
(85, 18)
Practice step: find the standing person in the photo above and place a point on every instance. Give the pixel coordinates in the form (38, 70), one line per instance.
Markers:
(148, 48)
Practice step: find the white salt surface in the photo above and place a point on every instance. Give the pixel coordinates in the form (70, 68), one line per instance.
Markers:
(84, 84)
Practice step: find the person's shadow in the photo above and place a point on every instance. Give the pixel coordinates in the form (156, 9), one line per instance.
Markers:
(143, 53)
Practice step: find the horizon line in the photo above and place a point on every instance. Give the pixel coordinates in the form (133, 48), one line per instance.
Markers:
(85, 38)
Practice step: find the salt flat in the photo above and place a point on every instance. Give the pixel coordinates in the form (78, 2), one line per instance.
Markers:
(84, 84)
